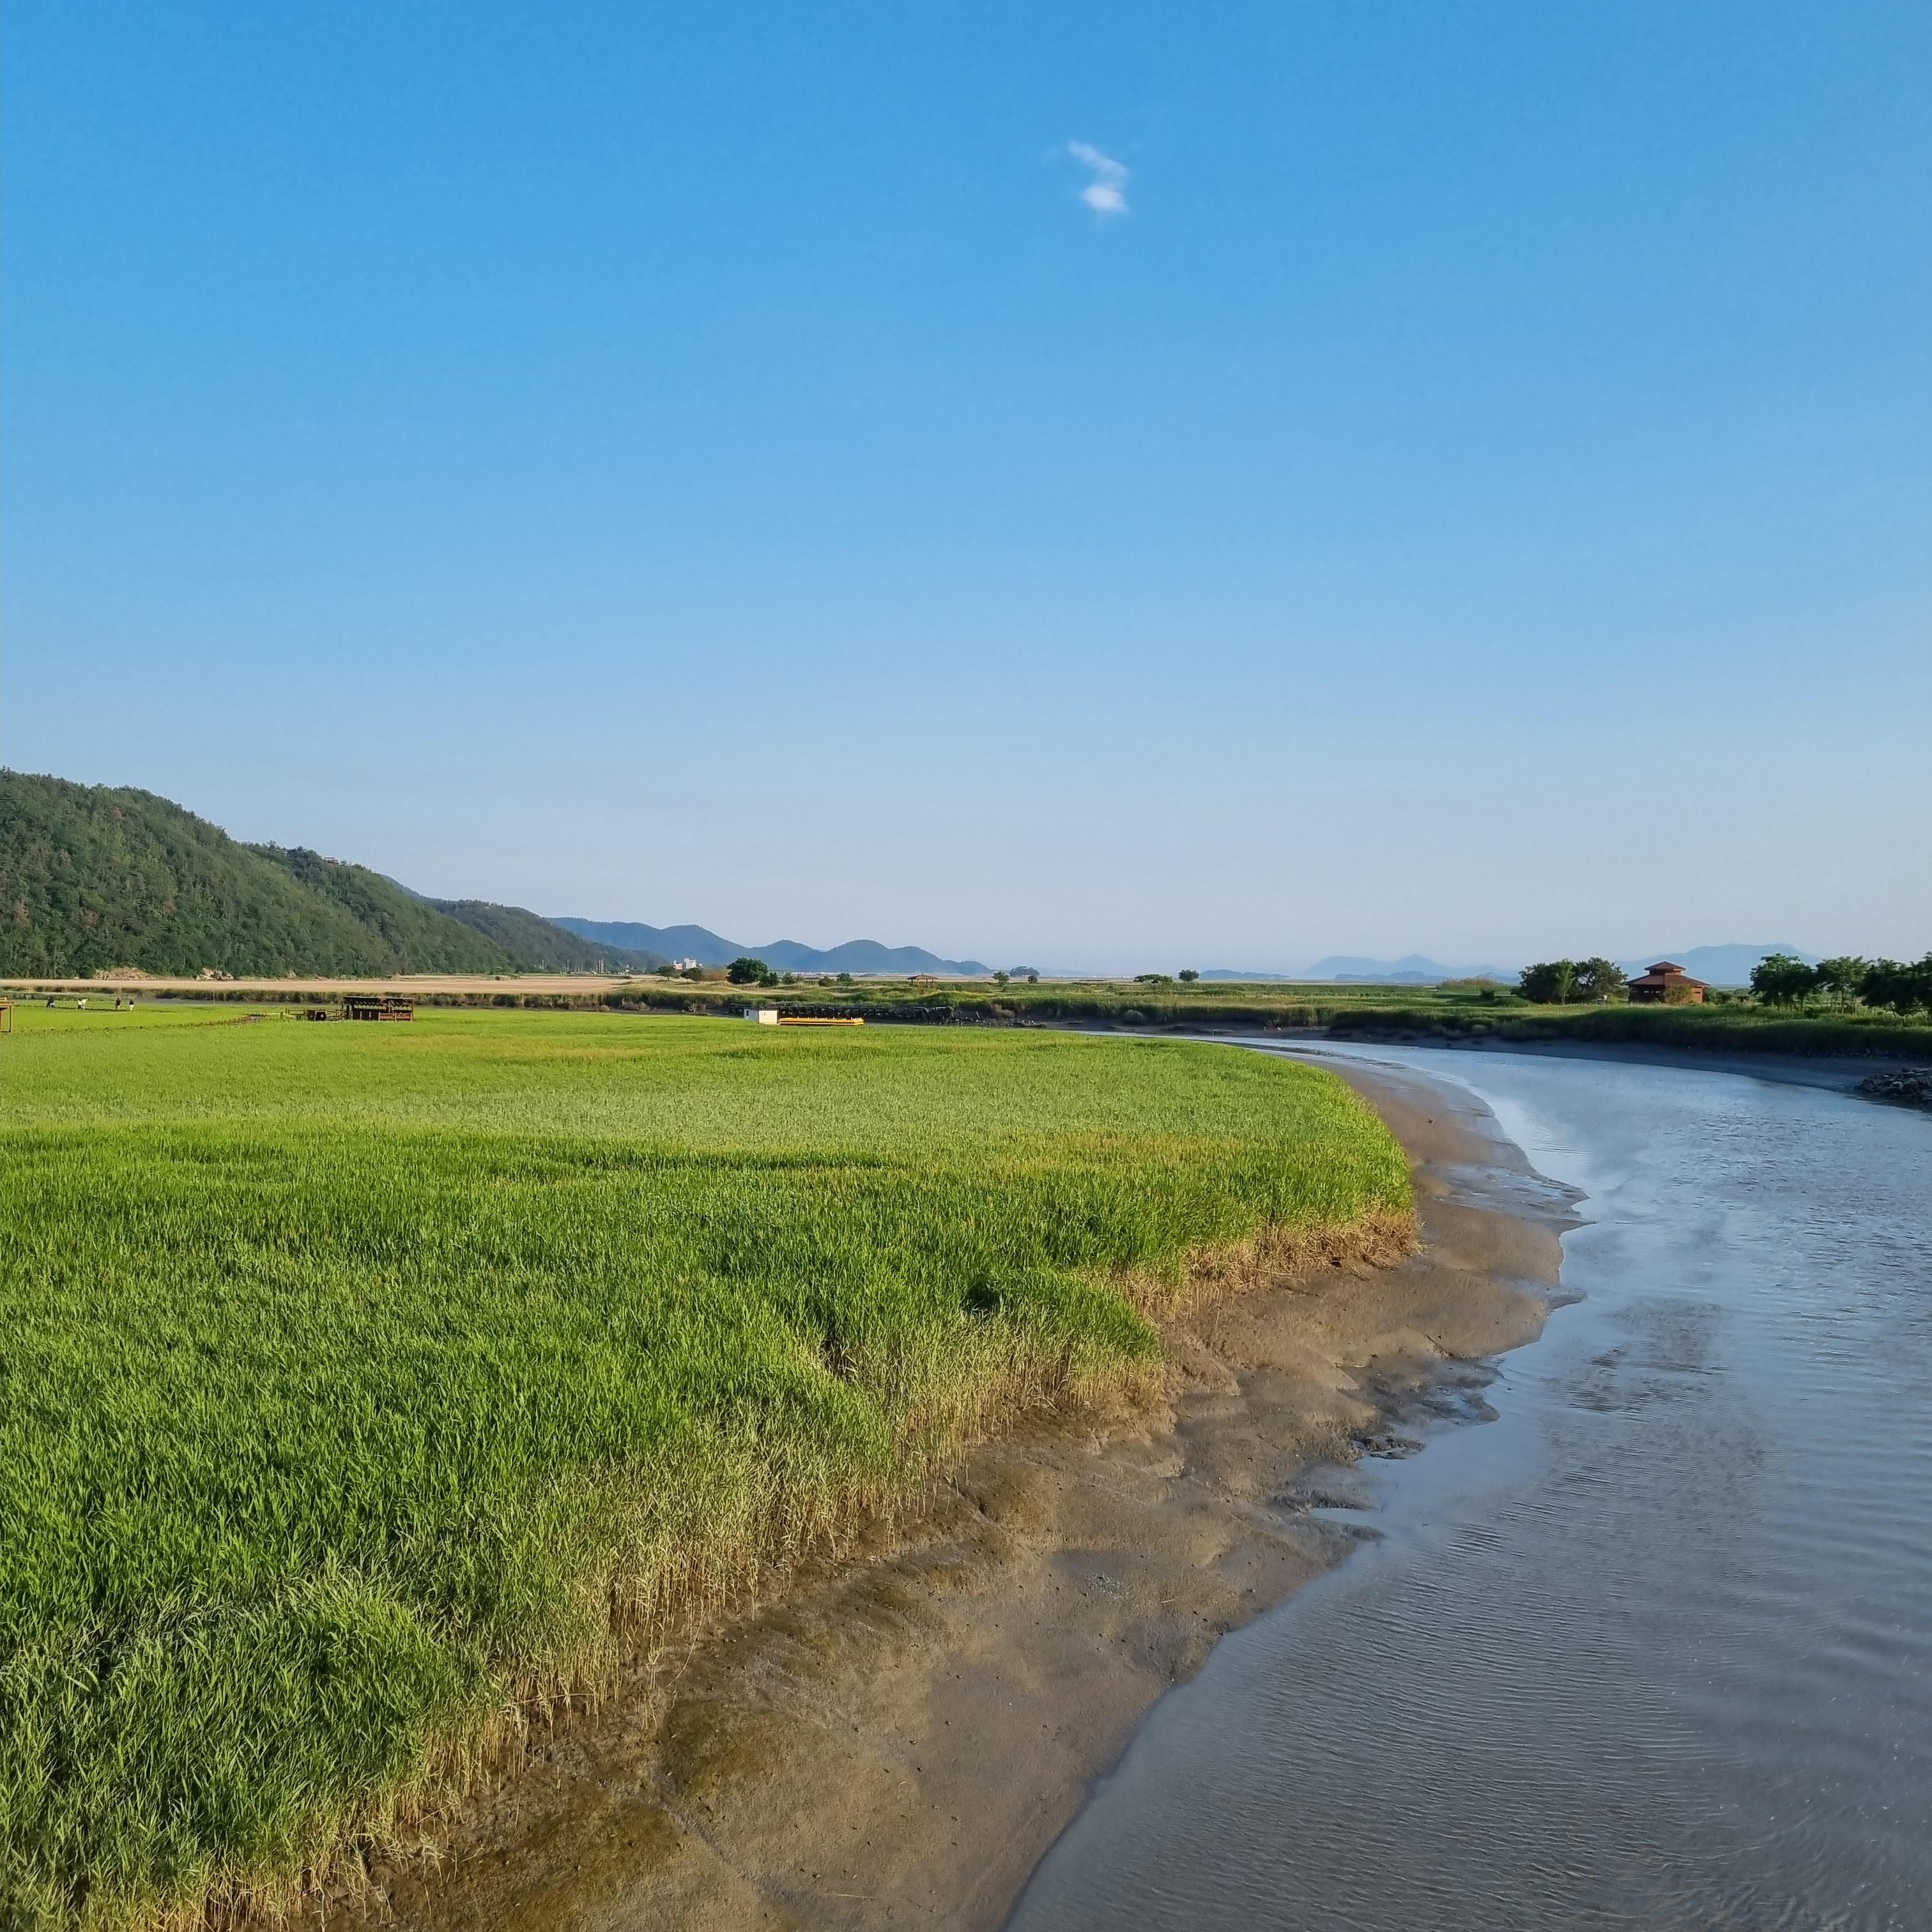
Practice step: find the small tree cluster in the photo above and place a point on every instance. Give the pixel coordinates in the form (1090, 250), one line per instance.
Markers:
(1563, 982)
(745, 971)
(1783, 979)
(1901, 986)
(1780, 979)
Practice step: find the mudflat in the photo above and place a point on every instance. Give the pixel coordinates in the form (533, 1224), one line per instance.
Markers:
(898, 1741)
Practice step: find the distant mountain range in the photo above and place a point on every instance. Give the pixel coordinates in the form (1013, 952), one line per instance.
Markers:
(1414, 969)
(1720, 965)
(539, 945)
(97, 877)
(784, 955)
(94, 876)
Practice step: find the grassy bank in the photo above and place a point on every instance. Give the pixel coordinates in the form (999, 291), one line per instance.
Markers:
(1729, 1029)
(358, 1380)
(1204, 1006)
(1448, 1012)
(1467, 1011)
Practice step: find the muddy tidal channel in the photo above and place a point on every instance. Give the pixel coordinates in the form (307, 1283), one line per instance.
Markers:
(1653, 1647)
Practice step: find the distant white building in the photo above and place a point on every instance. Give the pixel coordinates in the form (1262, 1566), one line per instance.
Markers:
(684, 965)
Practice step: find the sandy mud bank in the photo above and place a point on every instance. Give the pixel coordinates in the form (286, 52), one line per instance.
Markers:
(897, 1744)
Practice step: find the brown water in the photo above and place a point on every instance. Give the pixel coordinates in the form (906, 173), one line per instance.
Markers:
(1653, 1647)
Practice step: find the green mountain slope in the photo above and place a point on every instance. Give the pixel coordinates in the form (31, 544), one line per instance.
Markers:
(538, 946)
(416, 936)
(94, 876)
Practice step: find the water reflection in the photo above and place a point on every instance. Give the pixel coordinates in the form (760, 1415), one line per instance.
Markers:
(1653, 1648)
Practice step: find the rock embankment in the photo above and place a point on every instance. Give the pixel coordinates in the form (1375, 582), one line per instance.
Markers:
(1903, 1083)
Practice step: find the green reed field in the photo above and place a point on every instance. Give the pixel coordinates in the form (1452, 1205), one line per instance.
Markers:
(357, 1383)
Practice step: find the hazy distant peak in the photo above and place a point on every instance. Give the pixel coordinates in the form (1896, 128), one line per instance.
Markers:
(1413, 968)
(784, 956)
(1719, 965)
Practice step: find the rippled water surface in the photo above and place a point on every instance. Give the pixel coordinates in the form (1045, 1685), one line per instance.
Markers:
(1653, 1648)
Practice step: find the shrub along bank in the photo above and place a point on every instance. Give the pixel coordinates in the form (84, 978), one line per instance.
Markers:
(1202, 1008)
(358, 1379)
(1734, 1029)
(1453, 1011)
(1347, 1012)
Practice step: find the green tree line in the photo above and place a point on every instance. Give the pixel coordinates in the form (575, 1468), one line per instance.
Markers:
(1778, 979)
(1904, 986)
(1562, 983)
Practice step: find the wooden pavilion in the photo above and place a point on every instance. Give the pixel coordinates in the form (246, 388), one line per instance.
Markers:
(1666, 984)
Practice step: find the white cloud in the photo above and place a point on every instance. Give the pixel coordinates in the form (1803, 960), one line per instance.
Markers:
(1106, 193)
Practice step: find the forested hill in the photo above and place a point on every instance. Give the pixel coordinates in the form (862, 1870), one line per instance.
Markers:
(540, 945)
(94, 876)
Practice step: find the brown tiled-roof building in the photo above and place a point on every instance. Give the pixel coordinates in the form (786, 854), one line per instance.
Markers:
(1667, 984)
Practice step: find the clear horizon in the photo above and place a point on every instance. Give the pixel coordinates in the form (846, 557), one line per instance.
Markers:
(1099, 487)
(1063, 969)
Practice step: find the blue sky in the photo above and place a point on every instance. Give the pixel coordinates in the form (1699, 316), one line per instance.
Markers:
(1125, 485)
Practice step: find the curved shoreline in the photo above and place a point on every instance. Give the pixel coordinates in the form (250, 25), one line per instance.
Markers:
(1837, 1072)
(898, 1742)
